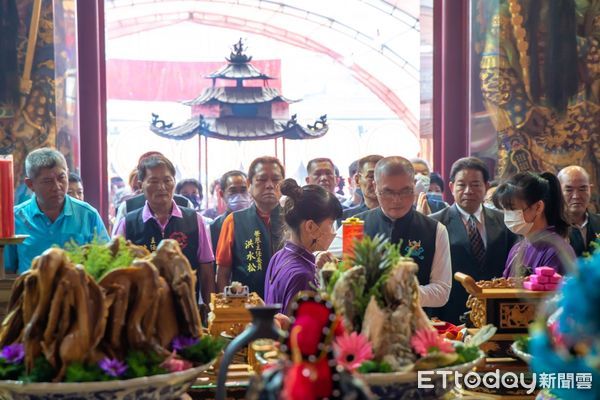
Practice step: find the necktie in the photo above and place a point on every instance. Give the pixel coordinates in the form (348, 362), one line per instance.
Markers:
(475, 238)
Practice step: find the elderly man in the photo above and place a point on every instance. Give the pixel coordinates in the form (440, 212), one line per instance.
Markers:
(479, 239)
(50, 217)
(396, 219)
(365, 180)
(576, 188)
(138, 199)
(322, 172)
(250, 237)
(233, 189)
(161, 218)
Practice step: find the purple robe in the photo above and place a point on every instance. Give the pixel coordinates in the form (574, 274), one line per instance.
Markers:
(291, 270)
(545, 249)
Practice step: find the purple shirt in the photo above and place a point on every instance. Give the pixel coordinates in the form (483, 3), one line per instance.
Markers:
(205, 253)
(542, 251)
(291, 270)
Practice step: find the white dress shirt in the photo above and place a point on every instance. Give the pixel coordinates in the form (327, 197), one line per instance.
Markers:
(480, 221)
(437, 291)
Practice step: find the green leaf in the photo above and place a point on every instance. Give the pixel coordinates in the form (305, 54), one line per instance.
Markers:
(466, 354)
(523, 343)
(10, 371)
(373, 366)
(143, 364)
(334, 278)
(204, 351)
(79, 372)
(42, 371)
(97, 258)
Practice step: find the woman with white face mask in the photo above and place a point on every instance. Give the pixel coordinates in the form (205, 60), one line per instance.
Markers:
(309, 213)
(534, 208)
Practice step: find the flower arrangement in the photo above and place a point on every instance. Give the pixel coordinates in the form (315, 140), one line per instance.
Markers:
(318, 357)
(367, 322)
(69, 323)
(376, 293)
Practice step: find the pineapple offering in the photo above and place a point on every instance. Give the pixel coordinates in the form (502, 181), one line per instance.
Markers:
(376, 292)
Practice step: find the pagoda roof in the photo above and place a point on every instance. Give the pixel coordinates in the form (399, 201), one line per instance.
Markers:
(235, 128)
(238, 71)
(237, 95)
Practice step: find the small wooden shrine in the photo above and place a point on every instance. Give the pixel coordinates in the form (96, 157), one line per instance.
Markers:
(240, 112)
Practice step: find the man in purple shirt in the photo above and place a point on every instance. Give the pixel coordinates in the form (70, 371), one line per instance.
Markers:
(161, 218)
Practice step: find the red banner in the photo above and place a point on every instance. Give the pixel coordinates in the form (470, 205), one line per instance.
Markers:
(173, 81)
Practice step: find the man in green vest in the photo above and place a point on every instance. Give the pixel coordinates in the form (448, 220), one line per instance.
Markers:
(250, 237)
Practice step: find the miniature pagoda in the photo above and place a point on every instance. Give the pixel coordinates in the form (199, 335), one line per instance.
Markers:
(240, 112)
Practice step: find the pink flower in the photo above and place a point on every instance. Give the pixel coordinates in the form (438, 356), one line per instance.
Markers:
(351, 350)
(426, 341)
(173, 364)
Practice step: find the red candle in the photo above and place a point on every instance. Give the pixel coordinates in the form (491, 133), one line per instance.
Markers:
(7, 199)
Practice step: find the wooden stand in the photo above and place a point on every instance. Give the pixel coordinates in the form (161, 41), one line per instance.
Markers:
(503, 303)
(229, 314)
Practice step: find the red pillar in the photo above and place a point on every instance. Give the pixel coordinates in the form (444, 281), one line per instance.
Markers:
(450, 83)
(91, 77)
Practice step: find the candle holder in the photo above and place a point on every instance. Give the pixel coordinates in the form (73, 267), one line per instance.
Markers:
(17, 239)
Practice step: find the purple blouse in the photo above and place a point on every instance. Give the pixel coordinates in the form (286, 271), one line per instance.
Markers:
(291, 270)
(546, 249)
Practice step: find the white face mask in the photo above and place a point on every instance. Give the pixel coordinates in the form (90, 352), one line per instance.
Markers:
(239, 201)
(421, 183)
(515, 222)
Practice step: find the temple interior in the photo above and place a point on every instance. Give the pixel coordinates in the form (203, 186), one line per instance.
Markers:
(285, 199)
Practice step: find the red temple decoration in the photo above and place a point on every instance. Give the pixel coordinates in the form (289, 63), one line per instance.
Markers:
(7, 216)
(240, 112)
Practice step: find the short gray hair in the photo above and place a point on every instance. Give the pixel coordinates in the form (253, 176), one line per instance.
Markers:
(391, 166)
(41, 159)
(417, 160)
(563, 173)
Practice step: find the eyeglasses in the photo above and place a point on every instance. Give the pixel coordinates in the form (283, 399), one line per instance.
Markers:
(390, 194)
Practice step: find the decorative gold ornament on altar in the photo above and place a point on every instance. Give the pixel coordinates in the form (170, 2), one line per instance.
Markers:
(546, 113)
(504, 303)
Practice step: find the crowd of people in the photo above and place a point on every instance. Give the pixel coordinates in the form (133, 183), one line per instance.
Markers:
(272, 234)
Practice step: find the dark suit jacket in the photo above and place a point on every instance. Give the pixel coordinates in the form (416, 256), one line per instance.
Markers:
(593, 229)
(499, 241)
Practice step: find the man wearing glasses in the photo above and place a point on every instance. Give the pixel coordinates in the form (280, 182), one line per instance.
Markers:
(396, 219)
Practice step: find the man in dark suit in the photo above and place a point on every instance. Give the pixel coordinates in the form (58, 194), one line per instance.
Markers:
(479, 240)
(576, 188)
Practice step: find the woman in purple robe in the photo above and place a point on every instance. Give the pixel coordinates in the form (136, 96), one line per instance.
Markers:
(534, 208)
(309, 213)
